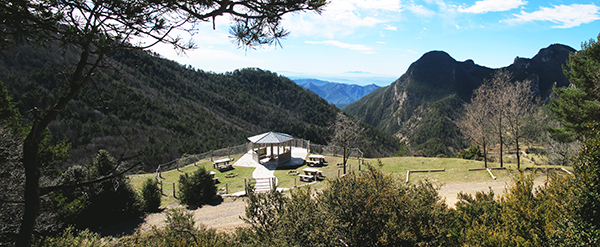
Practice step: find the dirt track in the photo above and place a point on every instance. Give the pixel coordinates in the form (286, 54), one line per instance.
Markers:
(225, 216)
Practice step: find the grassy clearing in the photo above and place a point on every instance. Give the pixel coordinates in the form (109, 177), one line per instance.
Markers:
(172, 176)
(456, 170)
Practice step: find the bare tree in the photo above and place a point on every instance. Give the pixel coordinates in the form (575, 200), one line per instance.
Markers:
(498, 101)
(347, 132)
(93, 29)
(519, 112)
(475, 121)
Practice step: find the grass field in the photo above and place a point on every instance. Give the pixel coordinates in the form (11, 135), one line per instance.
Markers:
(456, 171)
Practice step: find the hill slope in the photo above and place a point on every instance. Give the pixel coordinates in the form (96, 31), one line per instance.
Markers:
(165, 109)
(419, 106)
(336, 93)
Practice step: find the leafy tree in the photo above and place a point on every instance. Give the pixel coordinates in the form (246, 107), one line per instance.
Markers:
(197, 189)
(151, 195)
(577, 107)
(93, 29)
(99, 204)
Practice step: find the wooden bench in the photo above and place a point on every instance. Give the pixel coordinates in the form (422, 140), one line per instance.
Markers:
(312, 163)
(306, 178)
(216, 179)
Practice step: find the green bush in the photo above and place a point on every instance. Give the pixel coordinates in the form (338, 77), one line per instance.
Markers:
(419, 153)
(151, 195)
(473, 153)
(104, 203)
(197, 189)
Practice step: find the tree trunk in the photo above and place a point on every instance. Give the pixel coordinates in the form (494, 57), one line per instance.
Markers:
(500, 136)
(344, 158)
(32, 186)
(31, 148)
(518, 154)
(484, 154)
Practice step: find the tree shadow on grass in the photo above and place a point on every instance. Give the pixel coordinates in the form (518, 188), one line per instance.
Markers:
(121, 229)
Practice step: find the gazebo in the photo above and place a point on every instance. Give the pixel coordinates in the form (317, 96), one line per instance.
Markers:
(261, 143)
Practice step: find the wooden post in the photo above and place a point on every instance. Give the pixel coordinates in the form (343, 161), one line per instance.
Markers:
(295, 185)
(490, 172)
(338, 172)
(161, 188)
(174, 195)
(211, 155)
(227, 188)
(407, 175)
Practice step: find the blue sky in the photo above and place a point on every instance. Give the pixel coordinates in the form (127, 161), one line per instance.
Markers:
(375, 41)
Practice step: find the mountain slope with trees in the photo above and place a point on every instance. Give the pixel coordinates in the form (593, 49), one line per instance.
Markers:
(165, 109)
(420, 107)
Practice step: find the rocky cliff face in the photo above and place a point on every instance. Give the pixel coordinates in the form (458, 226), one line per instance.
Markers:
(433, 89)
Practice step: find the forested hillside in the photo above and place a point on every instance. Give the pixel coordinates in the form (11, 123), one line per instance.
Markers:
(146, 103)
(421, 105)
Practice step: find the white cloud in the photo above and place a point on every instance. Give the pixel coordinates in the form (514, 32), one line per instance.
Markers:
(381, 42)
(355, 47)
(565, 16)
(420, 10)
(342, 17)
(390, 27)
(484, 6)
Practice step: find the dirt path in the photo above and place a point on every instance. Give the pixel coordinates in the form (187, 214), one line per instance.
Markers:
(450, 190)
(224, 216)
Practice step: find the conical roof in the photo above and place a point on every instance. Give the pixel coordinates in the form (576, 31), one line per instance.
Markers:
(271, 137)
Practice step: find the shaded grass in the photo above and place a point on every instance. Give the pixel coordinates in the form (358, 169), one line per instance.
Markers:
(172, 176)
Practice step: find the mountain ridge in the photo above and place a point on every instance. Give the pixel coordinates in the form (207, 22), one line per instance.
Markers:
(406, 106)
(340, 94)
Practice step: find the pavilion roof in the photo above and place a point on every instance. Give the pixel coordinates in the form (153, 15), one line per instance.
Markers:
(271, 137)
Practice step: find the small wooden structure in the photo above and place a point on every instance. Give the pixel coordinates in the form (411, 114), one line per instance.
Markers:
(272, 145)
(310, 174)
(316, 160)
(223, 164)
(216, 179)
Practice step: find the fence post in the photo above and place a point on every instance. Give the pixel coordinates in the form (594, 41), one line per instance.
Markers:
(174, 195)
(211, 155)
(227, 188)
(161, 188)
(295, 185)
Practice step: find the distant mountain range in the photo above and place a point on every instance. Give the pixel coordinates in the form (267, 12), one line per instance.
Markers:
(339, 94)
(420, 105)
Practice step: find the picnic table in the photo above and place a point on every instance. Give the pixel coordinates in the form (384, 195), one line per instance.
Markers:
(315, 160)
(310, 174)
(223, 164)
(216, 179)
